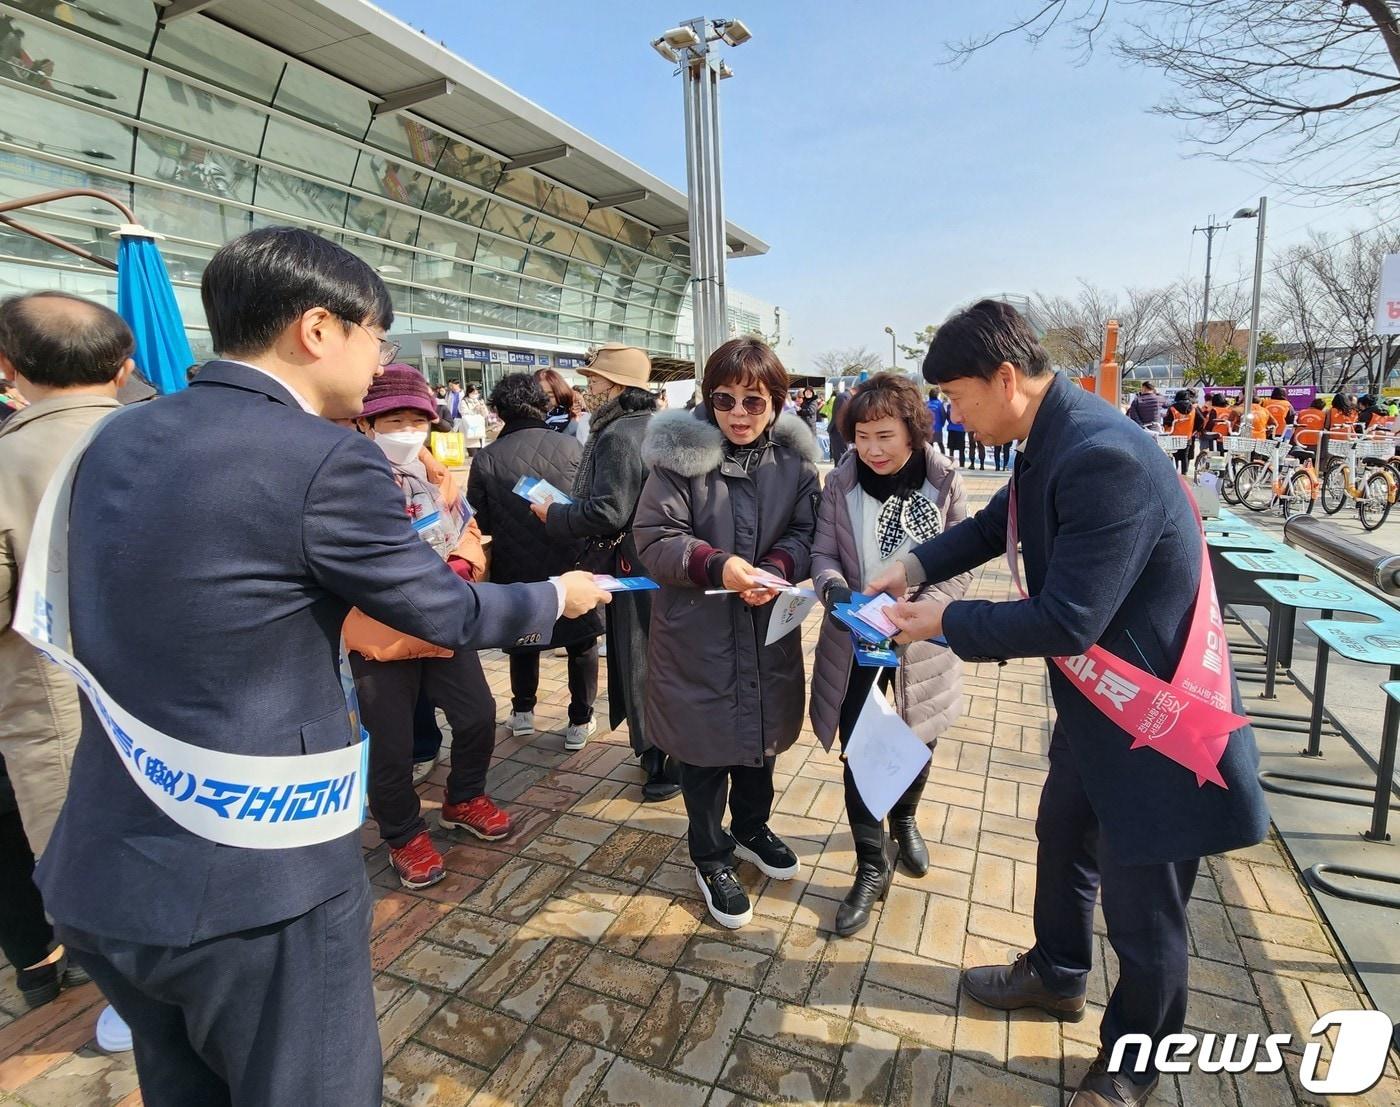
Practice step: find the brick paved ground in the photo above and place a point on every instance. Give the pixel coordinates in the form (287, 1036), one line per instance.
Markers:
(575, 964)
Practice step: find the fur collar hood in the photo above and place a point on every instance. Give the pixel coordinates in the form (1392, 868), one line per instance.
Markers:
(688, 444)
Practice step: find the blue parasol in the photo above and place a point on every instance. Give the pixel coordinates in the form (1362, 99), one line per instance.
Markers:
(146, 300)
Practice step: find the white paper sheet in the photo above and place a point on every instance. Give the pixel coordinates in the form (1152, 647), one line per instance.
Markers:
(872, 614)
(789, 610)
(884, 754)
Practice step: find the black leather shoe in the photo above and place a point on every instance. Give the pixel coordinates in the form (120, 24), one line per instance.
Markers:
(662, 782)
(872, 884)
(904, 829)
(1101, 1088)
(40, 985)
(1012, 987)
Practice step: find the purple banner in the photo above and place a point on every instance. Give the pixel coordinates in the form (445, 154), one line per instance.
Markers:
(1299, 395)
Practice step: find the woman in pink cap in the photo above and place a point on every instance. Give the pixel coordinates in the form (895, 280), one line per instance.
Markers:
(392, 668)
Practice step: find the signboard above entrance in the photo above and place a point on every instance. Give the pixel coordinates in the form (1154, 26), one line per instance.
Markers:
(463, 353)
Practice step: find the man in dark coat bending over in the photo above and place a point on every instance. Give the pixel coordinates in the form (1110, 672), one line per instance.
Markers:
(1113, 558)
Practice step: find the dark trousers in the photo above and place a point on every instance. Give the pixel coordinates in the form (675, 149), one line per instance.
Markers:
(749, 789)
(280, 1014)
(868, 831)
(25, 935)
(1001, 455)
(388, 691)
(978, 451)
(1144, 907)
(583, 679)
(957, 444)
(1184, 456)
(427, 735)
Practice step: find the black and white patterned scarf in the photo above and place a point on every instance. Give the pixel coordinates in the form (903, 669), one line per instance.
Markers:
(909, 515)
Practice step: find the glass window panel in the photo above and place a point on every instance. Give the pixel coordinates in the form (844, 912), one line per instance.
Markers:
(604, 221)
(500, 253)
(634, 234)
(669, 301)
(642, 295)
(95, 240)
(509, 221)
(566, 205)
(624, 262)
(97, 285)
(197, 113)
(582, 276)
(498, 285)
(213, 53)
(650, 270)
(295, 196)
(538, 321)
(635, 337)
(454, 242)
(190, 165)
(66, 130)
(494, 315)
(35, 54)
(575, 328)
(638, 316)
(545, 266)
(440, 305)
(308, 149)
(610, 284)
(406, 137)
(127, 23)
(554, 236)
(391, 262)
(190, 216)
(610, 310)
(381, 220)
(543, 295)
(577, 303)
(676, 280)
(591, 250)
(527, 187)
(395, 179)
(467, 163)
(321, 98)
(455, 203)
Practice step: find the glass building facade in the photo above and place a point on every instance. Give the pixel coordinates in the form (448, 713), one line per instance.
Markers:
(207, 133)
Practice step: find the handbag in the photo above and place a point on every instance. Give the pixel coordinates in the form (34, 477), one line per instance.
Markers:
(599, 555)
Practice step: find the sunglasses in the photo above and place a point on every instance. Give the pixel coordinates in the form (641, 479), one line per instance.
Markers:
(725, 401)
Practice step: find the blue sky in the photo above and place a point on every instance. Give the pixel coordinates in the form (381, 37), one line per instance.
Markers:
(891, 188)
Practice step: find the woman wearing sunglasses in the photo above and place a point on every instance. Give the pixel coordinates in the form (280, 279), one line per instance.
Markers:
(732, 495)
(891, 492)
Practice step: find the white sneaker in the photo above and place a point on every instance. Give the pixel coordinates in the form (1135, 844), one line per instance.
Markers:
(521, 723)
(576, 737)
(113, 1035)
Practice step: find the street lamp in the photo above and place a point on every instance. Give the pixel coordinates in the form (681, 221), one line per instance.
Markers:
(894, 362)
(694, 48)
(1254, 213)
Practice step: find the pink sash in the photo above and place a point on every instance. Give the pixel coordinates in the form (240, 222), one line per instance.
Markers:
(1189, 720)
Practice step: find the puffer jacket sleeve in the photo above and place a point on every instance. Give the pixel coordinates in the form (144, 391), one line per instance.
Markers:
(794, 546)
(663, 531)
(826, 552)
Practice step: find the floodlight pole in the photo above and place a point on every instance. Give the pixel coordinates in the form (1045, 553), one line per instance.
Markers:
(1254, 309)
(701, 68)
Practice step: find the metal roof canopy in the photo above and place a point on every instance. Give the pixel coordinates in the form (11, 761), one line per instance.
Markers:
(366, 47)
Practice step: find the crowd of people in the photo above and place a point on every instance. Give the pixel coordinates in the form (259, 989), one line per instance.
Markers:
(323, 580)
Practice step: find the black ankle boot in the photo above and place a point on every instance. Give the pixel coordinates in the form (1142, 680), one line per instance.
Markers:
(873, 876)
(40, 985)
(662, 778)
(904, 829)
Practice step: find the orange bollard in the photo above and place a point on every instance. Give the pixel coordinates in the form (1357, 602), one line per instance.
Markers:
(1109, 374)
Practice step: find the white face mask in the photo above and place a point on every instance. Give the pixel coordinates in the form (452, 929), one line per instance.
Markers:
(401, 447)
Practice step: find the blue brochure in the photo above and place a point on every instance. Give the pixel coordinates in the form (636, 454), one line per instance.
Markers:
(872, 657)
(845, 613)
(624, 584)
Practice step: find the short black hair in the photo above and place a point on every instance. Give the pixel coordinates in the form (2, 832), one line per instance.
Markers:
(63, 341)
(259, 283)
(977, 341)
(1278, 394)
(519, 396)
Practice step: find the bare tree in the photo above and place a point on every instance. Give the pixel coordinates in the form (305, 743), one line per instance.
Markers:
(1074, 327)
(1193, 346)
(1286, 84)
(847, 362)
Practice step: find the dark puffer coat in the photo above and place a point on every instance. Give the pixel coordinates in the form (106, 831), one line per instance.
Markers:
(718, 696)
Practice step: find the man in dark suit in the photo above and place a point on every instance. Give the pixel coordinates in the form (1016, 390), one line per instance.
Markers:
(221, 535)
(1112, 552)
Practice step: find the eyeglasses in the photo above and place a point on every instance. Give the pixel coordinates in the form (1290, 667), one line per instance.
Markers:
(387, 350)
(725, 401)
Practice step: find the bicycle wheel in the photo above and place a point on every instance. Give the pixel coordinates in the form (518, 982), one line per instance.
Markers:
(1227, 483)
(1334, 487)
(1254, 487)
(1301, 493)
(1374, 505)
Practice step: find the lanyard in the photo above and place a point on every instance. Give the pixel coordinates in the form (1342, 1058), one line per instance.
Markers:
(1189, 719)
(240, 800)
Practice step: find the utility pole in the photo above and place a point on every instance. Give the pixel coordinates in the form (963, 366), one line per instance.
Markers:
(1209, 231)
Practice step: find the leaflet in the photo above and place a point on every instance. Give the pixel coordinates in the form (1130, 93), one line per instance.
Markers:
(624, 584)
(539, 491)
(789, 611)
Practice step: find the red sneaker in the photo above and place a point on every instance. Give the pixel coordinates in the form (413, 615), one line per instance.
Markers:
(480, 816)
(418, 864)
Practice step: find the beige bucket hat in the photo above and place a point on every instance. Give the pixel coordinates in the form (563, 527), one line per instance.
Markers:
(628, 366)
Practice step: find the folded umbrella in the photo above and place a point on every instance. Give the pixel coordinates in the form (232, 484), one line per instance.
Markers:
(146, 300)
